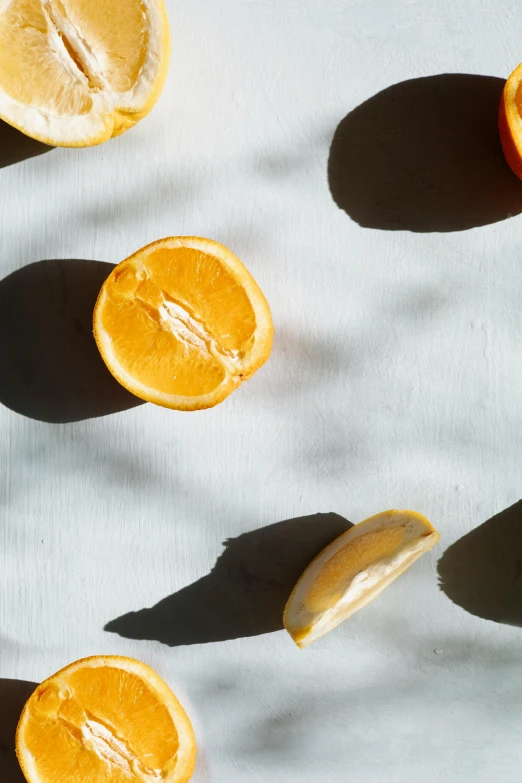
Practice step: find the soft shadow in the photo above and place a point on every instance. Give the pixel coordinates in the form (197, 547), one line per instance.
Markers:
(13, 695)
(246, 591)
(482, 571)
(51, 367)
(425, 155)
(16, 146)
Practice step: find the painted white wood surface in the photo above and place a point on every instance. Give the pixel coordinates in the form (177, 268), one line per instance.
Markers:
(394, 382)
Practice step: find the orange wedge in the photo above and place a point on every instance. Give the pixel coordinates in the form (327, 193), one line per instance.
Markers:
(105, 720)
(182, 323)
(510, 121)
(352, 571)
(76, 72)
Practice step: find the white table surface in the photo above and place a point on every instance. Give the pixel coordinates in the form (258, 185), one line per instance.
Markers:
(394, 382)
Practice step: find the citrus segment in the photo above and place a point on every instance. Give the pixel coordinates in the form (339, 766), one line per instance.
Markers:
(182, 323)
(74, 72)
(107, 719)
(510, 121)
(353, 570)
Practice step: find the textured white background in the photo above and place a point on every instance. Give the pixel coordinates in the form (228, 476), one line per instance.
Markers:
(394, 382)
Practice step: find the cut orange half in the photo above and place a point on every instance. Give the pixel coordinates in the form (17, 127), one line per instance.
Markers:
(105, 719)
(510, 121)
(76, 72)
(182, 323)
(352, 571)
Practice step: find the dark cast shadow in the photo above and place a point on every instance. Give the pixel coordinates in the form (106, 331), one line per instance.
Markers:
(425, 155)
(246, 591)
(13, 695)
(51, 367)
(482, 571)
(16, 146)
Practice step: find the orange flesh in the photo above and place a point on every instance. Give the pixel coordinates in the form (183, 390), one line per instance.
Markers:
(178, 321)
(117, 37)
(100, 725)
(518, 99)
(43, 45)
(355, 556)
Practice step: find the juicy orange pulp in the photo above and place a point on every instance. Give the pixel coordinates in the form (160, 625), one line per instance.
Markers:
(225, 320)
(348, 561)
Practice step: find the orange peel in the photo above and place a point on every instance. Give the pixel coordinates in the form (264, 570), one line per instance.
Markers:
(510, 121)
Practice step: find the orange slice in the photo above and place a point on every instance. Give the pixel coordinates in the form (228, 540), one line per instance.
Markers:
(182, 323)
(352, 571)
(510, 121)
(76, 72)
(105, 720)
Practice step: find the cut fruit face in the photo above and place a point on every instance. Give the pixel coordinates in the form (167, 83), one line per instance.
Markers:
(182, 323)
(105, 720)
(74, 73)
(352, 571)
(510, 121)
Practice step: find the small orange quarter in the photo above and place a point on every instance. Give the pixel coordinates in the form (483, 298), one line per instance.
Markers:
(353, 570)
(182, 323)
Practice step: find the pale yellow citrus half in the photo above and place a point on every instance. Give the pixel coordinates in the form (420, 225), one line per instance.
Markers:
(182, 323)
(352, 571)
(75, 72)
(105, 719)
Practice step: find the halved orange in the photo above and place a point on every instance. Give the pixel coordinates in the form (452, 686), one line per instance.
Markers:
(510, 121)
(105, 719)
(76, 72)
(182, 323)
(352, 571)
